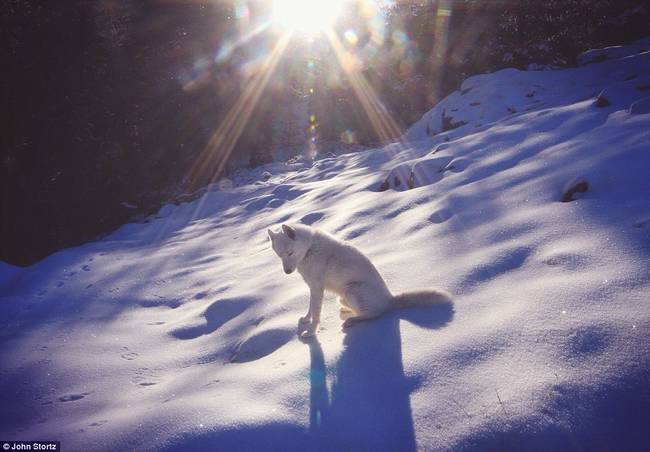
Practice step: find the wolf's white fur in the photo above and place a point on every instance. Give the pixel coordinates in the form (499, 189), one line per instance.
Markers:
(326, 263)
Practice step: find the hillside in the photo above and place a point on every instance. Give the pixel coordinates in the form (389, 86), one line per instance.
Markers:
(179, 332)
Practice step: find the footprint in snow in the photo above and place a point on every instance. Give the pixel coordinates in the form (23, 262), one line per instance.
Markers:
(60, 284)
(128, 355)
(570, 261)
(591, 340)
(146, 377)
(86, 268)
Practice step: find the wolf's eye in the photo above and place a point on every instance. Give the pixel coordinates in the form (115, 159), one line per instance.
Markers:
(290, 254)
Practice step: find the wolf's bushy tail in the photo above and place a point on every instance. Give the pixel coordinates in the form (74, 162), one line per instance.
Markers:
(420, 298)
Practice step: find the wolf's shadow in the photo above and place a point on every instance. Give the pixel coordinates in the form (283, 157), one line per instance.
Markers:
(369, 408)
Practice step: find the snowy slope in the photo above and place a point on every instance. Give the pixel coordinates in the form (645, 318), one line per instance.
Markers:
(484, 99)
(178, 333)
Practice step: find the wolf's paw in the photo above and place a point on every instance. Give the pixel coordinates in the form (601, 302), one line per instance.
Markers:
(307, 333)
(305, 319)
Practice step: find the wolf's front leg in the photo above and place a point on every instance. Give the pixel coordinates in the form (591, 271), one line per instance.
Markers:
(315, 305)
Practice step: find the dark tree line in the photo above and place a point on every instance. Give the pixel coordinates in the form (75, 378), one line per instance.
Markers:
(95, 118)
(106, 104)
(486, 35)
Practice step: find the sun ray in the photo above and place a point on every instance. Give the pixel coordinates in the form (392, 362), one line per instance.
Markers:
(209, 166)
(440, 43)
(382, 122)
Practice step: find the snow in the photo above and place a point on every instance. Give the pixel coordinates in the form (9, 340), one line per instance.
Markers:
(484, 99)
(178, 333)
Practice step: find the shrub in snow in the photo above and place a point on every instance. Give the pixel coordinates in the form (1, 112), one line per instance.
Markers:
(448, 122)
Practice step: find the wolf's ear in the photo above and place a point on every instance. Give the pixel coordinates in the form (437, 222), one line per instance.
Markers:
(271, 234)
(289, 231)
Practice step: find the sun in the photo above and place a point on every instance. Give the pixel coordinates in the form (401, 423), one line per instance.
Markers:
(306, 16)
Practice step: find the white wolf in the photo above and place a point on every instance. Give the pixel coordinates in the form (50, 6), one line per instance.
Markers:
(327, 263)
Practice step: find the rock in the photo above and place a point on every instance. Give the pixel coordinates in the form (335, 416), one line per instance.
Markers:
(601, 100)
(577, 185)
(266, 176)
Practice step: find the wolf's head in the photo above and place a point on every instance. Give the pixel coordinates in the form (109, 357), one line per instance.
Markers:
(290, 244)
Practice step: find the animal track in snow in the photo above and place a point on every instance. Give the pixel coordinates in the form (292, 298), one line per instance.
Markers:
(128, 355)
(591, 340)
(567, 260)
(146, 377)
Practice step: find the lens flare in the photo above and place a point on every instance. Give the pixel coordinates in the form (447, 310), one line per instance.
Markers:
(306, 16)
